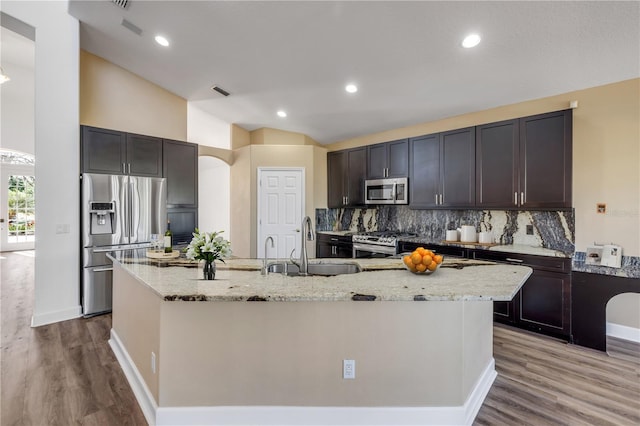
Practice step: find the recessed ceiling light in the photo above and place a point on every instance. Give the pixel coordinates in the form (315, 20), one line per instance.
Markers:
(162, 41)
(351, 88)
(471, 40)
(281, 114)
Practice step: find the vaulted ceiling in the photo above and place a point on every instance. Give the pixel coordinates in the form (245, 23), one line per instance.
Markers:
(405, 57)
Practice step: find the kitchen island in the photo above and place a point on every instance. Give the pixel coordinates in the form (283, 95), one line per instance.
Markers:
(197, 352)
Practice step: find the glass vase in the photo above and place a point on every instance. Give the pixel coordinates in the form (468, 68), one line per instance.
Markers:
(209, 270)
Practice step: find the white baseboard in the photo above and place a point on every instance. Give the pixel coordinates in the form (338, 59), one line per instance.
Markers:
(623, 332)
(253, 415)
(56, 316)
(140, 390)
(286, 415)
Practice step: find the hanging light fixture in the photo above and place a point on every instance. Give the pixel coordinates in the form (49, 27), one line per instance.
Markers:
(3, 77)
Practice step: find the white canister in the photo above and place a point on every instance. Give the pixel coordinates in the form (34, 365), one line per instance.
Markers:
(452, 235)
(468, 234)
(485, 238)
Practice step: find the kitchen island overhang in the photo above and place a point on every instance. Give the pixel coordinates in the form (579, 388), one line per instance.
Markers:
(222, 360)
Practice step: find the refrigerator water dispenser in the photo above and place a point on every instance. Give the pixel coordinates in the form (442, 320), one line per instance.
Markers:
(101, 214)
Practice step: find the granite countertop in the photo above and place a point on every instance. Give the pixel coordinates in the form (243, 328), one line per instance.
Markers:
(508, 248)
(381, 280)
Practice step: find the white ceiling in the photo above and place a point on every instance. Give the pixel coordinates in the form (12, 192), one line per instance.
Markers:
(405, 57)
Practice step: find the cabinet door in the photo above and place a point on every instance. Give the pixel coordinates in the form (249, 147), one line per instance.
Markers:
(181, 170)
(324, 250)
(544, 303)
(398, 158)
(545, 160)
(183, 224)
(424, 171)
(144, 155)
(336, 170)
(377, 161)
(497, 165)
(504, 312)
(356, 174)
(103, 151)
(457, 168)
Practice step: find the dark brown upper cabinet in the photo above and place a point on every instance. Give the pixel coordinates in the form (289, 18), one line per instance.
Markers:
(181, 170)
(114, 152)
(346, 172)
(442, 170)
(497, 164)
(525, 163)
(545, 160)
(388, 160)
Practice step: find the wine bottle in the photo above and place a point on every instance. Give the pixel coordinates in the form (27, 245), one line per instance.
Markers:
(167, 239)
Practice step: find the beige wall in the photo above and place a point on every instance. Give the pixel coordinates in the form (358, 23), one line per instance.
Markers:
(136, 320)
(268, 136)
(114, 98)
(290, 353)
(606, 156)
(244, 175)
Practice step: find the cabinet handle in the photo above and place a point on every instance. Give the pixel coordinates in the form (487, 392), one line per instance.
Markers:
(436, 199)
(522, 198)
(440, 199)
(509, 259)
(129, 168)
(346, 199)
(124, 170)
(515, 198)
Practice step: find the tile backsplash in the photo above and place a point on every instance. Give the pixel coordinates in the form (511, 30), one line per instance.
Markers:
(551, 229)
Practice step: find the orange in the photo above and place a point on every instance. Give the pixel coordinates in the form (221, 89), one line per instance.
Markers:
(412, 267)
(407, 260)
(432, 266)
(429, 252)
(426, 260)
(421, 268)
(416, 258)
(438, 258)
(421, 250)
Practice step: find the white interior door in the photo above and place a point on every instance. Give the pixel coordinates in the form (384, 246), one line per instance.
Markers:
(17, 208)
(280, 210)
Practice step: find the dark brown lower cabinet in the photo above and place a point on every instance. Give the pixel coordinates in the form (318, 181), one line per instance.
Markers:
(334, 246)
(543, 304)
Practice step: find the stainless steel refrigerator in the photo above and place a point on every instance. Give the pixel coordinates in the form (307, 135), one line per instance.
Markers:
(118, 213)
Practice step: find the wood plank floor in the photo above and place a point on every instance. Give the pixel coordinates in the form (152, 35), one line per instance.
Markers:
(66, 373)
(59, 374)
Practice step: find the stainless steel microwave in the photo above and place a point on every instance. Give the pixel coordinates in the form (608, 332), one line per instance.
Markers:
(386, 191)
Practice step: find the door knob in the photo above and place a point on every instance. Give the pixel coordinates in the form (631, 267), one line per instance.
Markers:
(297, 230)
(1, 219)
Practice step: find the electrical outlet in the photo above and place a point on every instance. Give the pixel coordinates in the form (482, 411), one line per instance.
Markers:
(153, 362)
(529, 229)
(348, 368)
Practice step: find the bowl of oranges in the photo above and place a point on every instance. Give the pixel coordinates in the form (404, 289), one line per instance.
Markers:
(422, 261)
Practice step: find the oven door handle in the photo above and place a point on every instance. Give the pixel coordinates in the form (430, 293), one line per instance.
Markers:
(372, 248)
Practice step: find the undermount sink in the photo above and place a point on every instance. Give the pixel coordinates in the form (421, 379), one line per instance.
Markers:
(325, 269)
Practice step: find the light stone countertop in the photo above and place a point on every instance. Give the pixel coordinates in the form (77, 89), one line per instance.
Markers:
(381, 280)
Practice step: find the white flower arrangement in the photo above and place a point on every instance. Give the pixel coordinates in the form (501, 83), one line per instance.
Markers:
(208, 246)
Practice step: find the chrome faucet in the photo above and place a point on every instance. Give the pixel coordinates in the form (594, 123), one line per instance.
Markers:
(264, 260)
(307, 235)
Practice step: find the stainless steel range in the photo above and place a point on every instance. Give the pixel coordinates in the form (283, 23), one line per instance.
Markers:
(377, 244)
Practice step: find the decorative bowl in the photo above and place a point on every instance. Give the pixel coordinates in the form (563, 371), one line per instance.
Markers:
(415, 268)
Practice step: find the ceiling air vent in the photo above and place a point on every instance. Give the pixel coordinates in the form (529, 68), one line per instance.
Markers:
(121, 3)
(220, 90)
(131, 26)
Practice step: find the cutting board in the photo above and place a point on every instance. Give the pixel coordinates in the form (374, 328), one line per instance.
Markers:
(162, 255)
